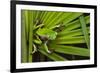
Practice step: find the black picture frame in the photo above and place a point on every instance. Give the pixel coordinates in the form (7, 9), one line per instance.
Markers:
(13, 35)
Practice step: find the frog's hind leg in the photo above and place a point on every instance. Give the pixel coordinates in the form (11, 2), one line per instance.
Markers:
(46, 48)
(35, 49)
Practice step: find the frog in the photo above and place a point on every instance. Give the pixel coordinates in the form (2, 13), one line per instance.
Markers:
(43, 35)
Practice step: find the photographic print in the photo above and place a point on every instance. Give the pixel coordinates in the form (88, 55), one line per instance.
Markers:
(52, 36)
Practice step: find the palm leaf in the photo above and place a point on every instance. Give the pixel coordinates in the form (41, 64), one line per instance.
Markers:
(30, 35)
(52, 56)
(83, 25)
(75, 30)
(58, 20)
(71, 50)
(72, 33)
(75, 24)
(24, 40)
(69, 40)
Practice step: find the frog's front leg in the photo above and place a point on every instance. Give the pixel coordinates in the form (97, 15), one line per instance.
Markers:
(46, 47)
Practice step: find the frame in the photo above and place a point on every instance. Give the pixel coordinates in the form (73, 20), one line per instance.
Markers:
(19, 65)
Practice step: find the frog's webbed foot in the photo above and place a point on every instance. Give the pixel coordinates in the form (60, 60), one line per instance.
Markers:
(46, 47)
(35, 49)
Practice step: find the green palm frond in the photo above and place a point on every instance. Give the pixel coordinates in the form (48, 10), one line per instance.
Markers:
(72, 38)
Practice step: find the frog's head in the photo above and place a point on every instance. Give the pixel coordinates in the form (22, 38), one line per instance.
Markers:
(47, 33)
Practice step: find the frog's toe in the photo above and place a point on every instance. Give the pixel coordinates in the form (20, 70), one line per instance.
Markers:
(49, 52)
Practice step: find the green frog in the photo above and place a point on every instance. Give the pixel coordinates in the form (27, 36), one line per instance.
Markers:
(43, 35)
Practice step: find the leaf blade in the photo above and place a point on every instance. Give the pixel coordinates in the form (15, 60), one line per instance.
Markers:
(83, 25)
(69, 40)
(52, 56)
(71, 50)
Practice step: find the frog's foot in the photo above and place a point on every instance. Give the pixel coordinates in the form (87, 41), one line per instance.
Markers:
(48, 51)
(35, 49)
(46, 48)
